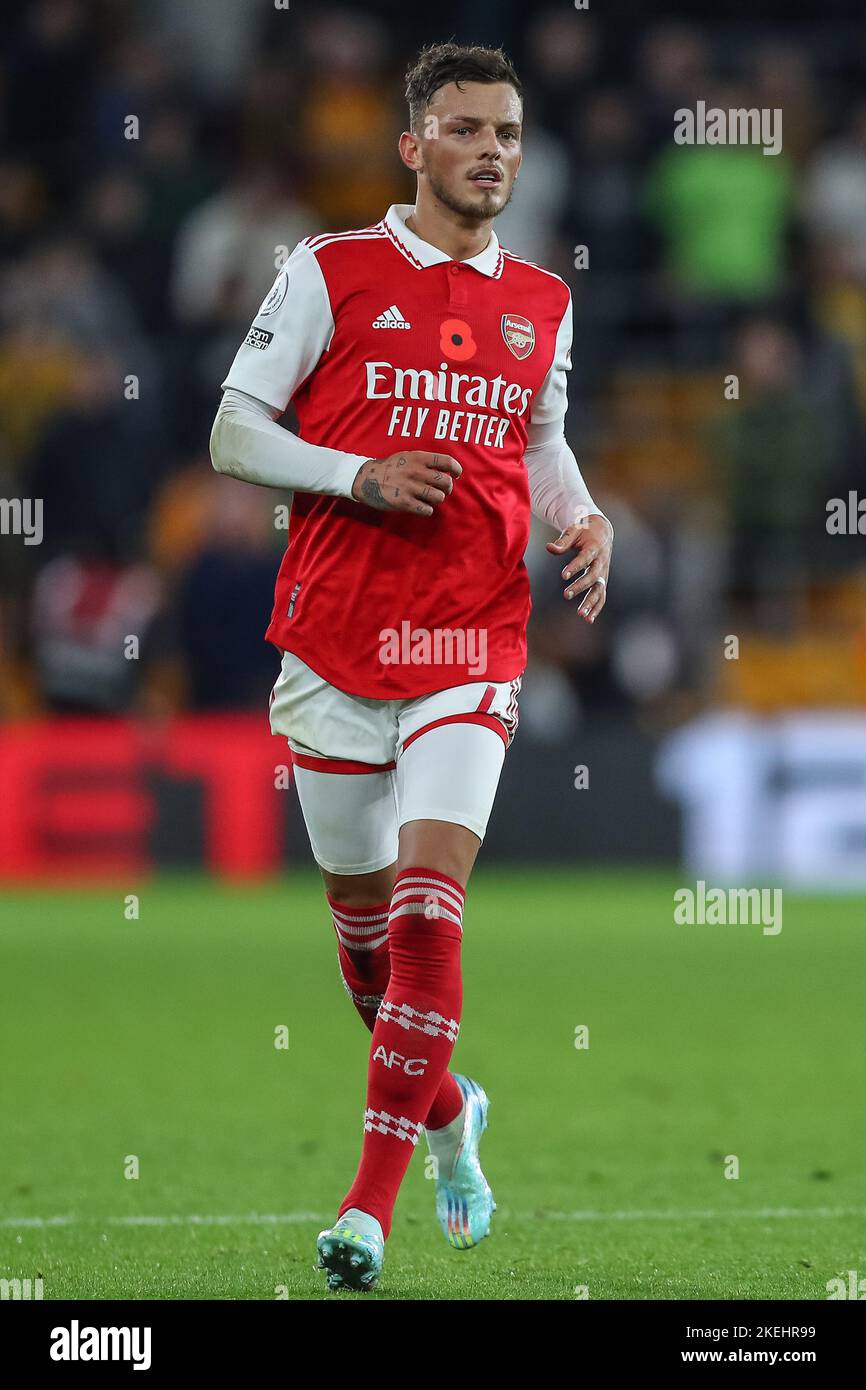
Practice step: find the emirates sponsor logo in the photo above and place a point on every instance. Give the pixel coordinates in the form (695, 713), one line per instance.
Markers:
(386, 382)
(474, 409)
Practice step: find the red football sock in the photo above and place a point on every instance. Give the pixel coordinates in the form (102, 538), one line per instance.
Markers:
(365, 967)
(362, 946)
(414, 1034)
(447, 1105)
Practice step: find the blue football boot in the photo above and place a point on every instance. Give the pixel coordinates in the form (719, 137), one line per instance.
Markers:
(353, 1261)
(464, 1201)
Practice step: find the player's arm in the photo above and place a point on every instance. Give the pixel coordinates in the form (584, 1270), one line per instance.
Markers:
(246, 442)
(288, 336)
(558, 493)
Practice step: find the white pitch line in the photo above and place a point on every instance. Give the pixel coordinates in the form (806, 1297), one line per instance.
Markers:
(37, 1222)
(294, 1218)
(757, 1213)
(250, 1219)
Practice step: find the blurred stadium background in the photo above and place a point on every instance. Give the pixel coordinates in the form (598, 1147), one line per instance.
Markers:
(129, 272)
(131, 267)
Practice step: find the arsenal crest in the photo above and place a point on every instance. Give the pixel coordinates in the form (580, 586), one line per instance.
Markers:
(519, 334)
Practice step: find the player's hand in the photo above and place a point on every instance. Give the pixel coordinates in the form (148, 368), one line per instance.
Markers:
(592, 539)
(412, 481)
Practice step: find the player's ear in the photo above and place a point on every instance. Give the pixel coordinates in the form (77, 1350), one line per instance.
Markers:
(410, 151)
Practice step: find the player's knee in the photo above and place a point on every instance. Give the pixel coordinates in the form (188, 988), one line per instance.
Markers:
(443, 846)
(360, 890)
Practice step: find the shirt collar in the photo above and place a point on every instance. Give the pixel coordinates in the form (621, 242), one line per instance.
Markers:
(422, 254)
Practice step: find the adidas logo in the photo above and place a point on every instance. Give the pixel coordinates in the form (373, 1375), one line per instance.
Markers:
(392, 318)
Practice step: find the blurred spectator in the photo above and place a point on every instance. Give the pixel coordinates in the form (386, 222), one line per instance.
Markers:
(96, 467)
(51, 72)
(61, 287)
(772, 456)
(530, 225)
(723, 212)
(275, 87)
(226, 250)
(225, 599)
(226, 258)
(114, 209)
(37, 367)
(563, 53)
(672, 72)
(140, 78)
(834, 197)
(350, 122)
(216, 38)
(132, 213)
(91, 621)
(603, 214)
(782, 78)
(23, 204)
(839, 301)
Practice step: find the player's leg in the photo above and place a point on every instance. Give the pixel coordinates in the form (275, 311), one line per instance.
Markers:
(359, 905)
(351, 821)
(349, 824)
(447, 774)
(343, 763)
(349, 809)
(464, 1200)
(359, 911)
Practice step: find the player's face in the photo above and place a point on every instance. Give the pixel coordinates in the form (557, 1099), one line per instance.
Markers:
(469, 147)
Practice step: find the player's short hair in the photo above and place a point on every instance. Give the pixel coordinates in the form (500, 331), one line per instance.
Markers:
(441, 63)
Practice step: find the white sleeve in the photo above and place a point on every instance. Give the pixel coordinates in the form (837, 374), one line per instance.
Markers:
(246, 442)
(551, 403)
(288, 335)
(557, 491)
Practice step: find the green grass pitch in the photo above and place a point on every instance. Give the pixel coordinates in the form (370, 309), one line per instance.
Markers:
(155, 1038)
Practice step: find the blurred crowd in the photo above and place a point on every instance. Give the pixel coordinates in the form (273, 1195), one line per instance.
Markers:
(154, 156)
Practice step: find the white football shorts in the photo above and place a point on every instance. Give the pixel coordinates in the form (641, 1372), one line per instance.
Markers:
(365, 767)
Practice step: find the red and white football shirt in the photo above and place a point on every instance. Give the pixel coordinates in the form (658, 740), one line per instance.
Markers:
(383, 342)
